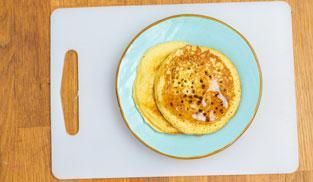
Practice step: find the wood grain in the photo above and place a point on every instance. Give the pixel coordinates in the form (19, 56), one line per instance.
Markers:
(24, 90)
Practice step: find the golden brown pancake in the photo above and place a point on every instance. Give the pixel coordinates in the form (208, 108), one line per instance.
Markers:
(143, 85)
(197, 89)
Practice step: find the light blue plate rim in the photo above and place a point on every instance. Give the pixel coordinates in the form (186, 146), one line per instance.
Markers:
(188, 146)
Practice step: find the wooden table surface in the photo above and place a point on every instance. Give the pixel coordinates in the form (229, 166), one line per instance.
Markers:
(25, 84)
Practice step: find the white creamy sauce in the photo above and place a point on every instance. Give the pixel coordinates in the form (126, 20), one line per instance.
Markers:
(214, 86)
(203, 103)
(223, 99)
(212, 116)
(199, 116)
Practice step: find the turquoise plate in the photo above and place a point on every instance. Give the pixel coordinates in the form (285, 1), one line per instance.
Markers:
(197, 30)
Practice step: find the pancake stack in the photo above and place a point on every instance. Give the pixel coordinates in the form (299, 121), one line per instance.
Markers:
(188, 89)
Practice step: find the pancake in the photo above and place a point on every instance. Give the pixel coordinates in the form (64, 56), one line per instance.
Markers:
(197, 90)
(143, 85)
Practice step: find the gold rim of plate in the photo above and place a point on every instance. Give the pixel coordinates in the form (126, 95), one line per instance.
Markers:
(199, 16)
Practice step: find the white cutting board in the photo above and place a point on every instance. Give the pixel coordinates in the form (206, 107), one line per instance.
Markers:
(104, 148)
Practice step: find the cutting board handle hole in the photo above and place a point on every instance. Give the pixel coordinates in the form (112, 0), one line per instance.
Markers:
(69, 92)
